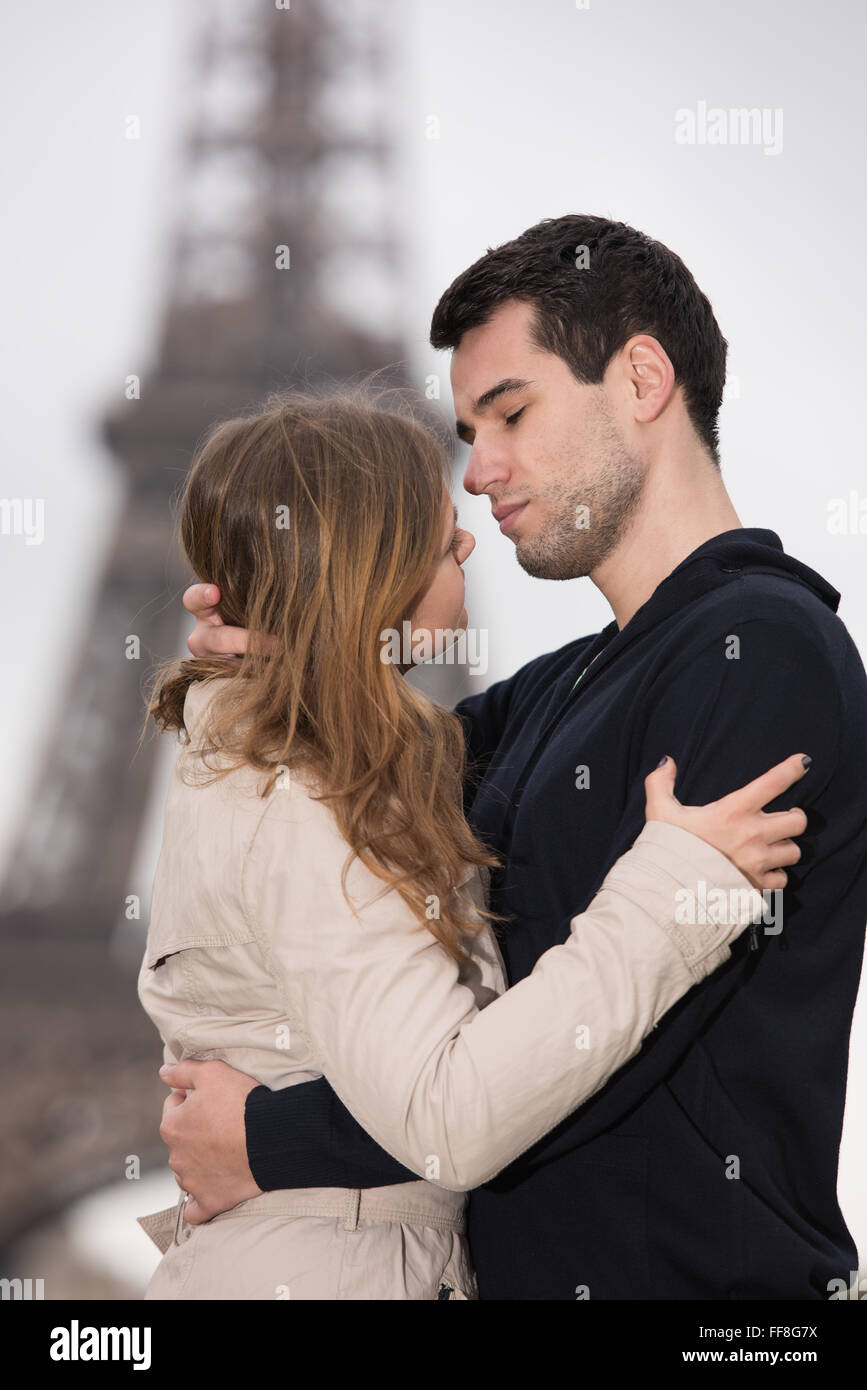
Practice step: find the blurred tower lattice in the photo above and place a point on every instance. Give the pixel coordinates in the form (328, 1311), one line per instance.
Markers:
(284, 268)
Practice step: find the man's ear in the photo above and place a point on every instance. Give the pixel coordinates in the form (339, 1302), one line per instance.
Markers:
(649, 376)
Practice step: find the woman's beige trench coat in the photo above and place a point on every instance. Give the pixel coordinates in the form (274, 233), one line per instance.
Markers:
(254, 957)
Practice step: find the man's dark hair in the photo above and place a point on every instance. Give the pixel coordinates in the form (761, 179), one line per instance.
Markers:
(630, 284)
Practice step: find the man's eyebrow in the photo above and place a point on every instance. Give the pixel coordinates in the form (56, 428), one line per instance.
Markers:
(502, 388)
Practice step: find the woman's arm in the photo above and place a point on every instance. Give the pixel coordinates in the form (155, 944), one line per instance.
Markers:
(456, 1093)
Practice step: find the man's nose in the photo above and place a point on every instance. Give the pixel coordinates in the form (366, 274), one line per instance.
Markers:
(483, 470)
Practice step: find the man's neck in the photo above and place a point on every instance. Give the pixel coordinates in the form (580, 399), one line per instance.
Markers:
(683, 505)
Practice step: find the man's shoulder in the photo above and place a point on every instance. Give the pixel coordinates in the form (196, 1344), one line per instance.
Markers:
(770, 605)
(768, 646)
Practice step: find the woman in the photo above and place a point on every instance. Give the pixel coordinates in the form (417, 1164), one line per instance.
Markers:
(319, 903)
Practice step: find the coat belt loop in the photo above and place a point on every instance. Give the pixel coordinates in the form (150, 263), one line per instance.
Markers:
(353, 1202)
(179, 1218)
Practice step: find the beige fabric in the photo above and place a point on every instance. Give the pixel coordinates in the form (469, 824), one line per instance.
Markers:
(404, 1242)
(253, 956)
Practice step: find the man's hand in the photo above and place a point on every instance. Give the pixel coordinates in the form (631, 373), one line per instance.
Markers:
(211, 636)
(203, 1126)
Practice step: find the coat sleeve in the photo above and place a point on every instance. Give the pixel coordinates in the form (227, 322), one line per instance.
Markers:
(454, 1092)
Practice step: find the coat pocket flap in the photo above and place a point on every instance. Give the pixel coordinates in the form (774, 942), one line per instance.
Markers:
(166, 941)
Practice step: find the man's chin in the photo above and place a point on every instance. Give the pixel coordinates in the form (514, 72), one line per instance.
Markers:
(543, 565)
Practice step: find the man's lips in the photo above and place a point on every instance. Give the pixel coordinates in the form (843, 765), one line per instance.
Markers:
(507, 515)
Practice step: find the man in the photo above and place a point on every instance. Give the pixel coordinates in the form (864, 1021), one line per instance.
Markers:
(587, 373)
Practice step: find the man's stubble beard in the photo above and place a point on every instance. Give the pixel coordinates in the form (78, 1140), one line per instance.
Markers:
(610, 494)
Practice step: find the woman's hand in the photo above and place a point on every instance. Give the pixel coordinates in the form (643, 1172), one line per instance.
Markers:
(757, 842)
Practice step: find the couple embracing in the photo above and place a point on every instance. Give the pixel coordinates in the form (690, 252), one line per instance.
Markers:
(549, 996)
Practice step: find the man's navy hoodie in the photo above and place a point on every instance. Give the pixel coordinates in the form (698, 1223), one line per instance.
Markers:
(707, 1166)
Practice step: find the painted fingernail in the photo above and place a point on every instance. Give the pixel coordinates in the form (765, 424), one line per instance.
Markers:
(806, 760)
(662, 761)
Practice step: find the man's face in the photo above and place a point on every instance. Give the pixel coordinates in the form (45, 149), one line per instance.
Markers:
(543, 445)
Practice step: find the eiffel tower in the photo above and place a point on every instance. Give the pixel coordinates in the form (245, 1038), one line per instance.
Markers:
(289, 112)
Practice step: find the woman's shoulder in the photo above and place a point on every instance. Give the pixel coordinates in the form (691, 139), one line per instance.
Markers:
(293, 821)
(198, 762)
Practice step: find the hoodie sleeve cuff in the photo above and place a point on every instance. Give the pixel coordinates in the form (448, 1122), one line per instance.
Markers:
(303, 1136)
(282, 1138)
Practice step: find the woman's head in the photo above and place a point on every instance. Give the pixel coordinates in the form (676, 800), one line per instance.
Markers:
(325, 521)
(321, 521)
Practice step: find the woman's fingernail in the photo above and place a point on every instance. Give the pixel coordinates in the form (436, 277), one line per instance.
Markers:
(662, 761)
(806, 760)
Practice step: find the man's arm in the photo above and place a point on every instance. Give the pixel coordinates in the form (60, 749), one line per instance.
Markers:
(313, 1140)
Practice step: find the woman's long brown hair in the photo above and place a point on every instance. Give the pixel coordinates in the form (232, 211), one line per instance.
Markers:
(320, 519)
